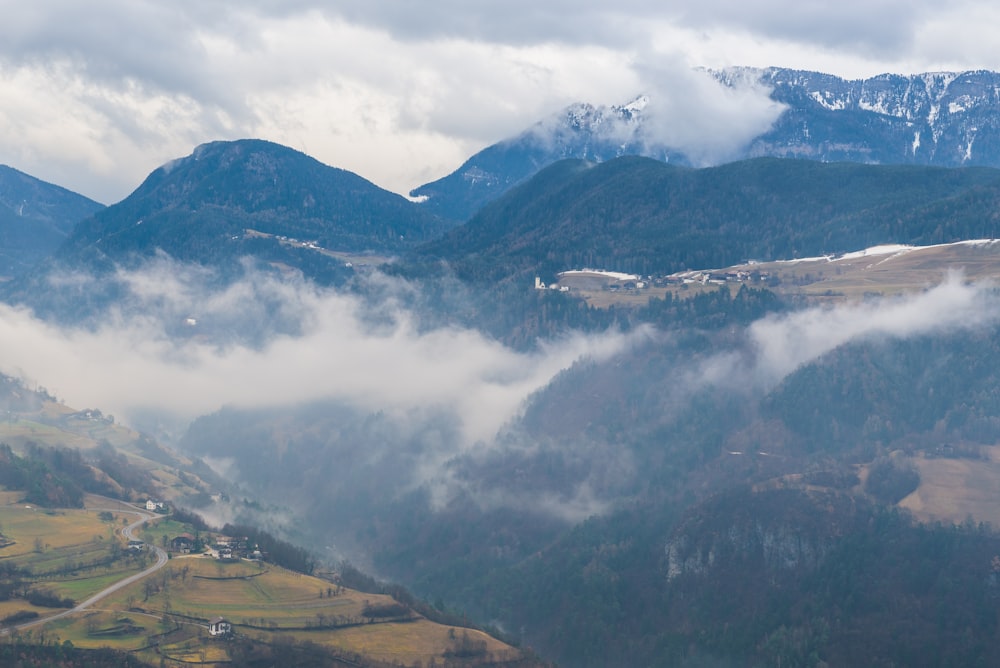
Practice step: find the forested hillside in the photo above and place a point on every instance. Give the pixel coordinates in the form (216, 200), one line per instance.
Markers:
(35, 218)
(642, 216)
(672, 505)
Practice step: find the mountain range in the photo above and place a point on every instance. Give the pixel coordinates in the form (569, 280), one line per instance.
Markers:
(938, 119)
(731, 474)
(941, 119)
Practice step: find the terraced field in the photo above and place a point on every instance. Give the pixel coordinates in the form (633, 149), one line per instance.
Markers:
(171, 610)
(77, 553)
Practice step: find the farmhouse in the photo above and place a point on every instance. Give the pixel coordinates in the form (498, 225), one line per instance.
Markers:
(219, 627)
(182, 543)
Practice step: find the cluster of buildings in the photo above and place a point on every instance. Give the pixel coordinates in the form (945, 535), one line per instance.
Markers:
(540, 285)
(716, 277)
(156, 506)
(588, 279)
(223, 548)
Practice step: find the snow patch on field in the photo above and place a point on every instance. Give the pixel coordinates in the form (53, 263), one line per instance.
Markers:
(617, 275)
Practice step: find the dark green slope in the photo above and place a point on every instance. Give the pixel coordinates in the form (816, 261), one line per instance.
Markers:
(640, 215)
(226, 202)
(191, 206)
(701, 557)
(35, 217)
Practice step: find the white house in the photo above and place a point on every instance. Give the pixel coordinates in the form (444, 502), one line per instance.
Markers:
(219, 627)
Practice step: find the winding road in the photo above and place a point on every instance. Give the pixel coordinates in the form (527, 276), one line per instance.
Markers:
(161, 561)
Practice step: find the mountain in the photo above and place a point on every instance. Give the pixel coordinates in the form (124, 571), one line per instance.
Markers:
(946, 119)
(942, 119)
(729, 478)
(35, 217)
(225, 202)
(205, 205)
(644, 216)
(580, 131)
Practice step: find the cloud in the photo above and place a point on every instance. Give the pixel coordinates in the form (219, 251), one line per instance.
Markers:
(784, 343)
(444, 392)
(881, 27)
(779, 344)
(95, 96)
(311, 344)
(518, 22)
(692, 111)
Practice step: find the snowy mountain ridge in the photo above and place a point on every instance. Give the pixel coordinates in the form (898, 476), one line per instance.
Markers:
(940, 118)
(947, 119)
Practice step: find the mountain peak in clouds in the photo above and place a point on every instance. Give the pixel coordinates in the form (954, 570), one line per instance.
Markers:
(581, 131)
(942, 119)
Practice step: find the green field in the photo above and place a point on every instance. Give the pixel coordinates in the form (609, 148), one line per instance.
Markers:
(70, 553)
(263, 602)
(830, 279)
(169, 610)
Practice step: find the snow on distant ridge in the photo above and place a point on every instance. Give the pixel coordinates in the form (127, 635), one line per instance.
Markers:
(617, 275)
(895, 249)
(873, 251)
(887, 249)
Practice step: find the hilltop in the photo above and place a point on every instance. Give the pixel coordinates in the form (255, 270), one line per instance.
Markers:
(193, 206)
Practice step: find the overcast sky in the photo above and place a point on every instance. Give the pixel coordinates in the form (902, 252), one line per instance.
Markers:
(95, 95)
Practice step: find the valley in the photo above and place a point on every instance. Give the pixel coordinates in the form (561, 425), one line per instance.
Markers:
(761, 430)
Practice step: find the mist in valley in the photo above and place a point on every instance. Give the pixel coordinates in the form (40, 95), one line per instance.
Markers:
(310, 398)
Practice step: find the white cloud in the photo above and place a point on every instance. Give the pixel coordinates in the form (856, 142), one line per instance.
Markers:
(319, 345)
(784, 343)
(94, 96)
(691, 111)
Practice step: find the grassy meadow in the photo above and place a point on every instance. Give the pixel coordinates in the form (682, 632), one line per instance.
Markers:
(171, 609)
(824, 280)
(165, 615)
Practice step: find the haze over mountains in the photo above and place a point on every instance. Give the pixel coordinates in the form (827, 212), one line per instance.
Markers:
(692, 471)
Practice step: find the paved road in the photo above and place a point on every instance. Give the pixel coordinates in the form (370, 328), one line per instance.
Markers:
(161, 561)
